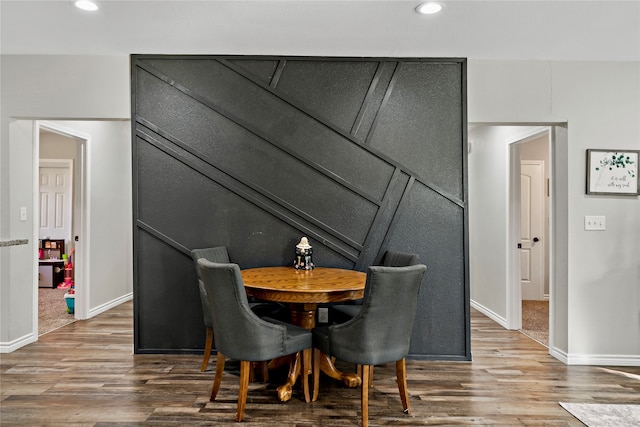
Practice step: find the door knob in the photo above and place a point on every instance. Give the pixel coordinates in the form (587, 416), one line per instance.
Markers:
(535, 239)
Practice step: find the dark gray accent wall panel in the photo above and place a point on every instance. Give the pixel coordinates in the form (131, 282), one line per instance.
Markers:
(360, 155)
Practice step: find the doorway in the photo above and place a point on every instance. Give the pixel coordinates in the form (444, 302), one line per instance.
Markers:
(529, 204)
(494, 222)
(55, 249)
(61, 154)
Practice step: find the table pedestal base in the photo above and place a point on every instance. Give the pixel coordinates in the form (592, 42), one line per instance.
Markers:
(304, 315)
(327, 366)
(285, 390)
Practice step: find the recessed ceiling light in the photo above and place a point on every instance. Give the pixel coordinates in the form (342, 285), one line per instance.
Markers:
(428, 8)
(86, 5)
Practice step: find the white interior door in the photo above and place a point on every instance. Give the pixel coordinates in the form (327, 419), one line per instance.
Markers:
(55, 202)
(532, 229)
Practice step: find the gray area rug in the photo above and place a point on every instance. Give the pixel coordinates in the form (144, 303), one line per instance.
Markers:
(52, 310)
(601, 415)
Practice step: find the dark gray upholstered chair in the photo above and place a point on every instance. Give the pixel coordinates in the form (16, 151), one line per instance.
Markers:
(273, 310)
(380, 332)
(340, 313)
(242, 335)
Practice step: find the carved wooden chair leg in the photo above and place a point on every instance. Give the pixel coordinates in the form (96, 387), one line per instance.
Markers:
(245, 368)
(208, 345)
(401, 373)
(366, 371)
(359, 373)
(218, 376)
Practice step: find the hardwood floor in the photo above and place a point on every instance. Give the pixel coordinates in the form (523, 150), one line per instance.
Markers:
(85, 374)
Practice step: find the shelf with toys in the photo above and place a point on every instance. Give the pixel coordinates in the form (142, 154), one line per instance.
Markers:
(50, 263)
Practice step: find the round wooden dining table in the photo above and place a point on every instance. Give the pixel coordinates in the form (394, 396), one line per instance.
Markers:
(303, 290)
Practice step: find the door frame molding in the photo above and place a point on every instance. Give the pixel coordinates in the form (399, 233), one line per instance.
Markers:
(514, 292)
(80, 209)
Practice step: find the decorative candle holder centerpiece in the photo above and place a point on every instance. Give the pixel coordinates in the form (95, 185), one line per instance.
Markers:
(304, 251)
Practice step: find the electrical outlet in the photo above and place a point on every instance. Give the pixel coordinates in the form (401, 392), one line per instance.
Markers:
(594, 223)
(23, 213)
(323, 315)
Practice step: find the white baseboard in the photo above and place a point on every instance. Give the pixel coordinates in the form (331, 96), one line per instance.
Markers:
(490, 314)
(603, 359)
(559, 354)
(594, 359)
(8, 347)
(109, 305)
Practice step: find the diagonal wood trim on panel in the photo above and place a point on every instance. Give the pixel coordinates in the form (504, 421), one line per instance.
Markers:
(377, 222)
(343, 250)
(358, 246)
(384, 216)
(163, 237)
(152, 70)
(278, 73)
(344, 246)
(348, 135)
(314, 115)
(366, 102)
(415, 174)
(403, 200)
(248, 126)
(245, 184)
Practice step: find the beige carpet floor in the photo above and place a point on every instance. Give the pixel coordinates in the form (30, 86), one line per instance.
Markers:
(52, 310)
(535, 320)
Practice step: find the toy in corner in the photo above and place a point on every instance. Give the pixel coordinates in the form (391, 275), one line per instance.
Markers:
(70, 296)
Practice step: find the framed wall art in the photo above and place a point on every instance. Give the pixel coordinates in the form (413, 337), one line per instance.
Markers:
(612, 172)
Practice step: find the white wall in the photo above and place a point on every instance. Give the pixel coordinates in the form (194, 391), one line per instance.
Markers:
(17, 280)
(489, 218)
(599, 280)
(52, 87)
(110, 205)
(602, 103)
(600, 315)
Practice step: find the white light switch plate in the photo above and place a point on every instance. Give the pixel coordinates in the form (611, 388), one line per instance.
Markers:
(23, 213)
(594, 223)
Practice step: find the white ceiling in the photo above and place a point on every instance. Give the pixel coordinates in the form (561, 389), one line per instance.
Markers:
(477, 29)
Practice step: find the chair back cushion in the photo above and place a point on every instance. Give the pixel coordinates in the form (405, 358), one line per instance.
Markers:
(381, 331)
(216, 254)
(239, 332)
(399, 259)
(343, 312)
